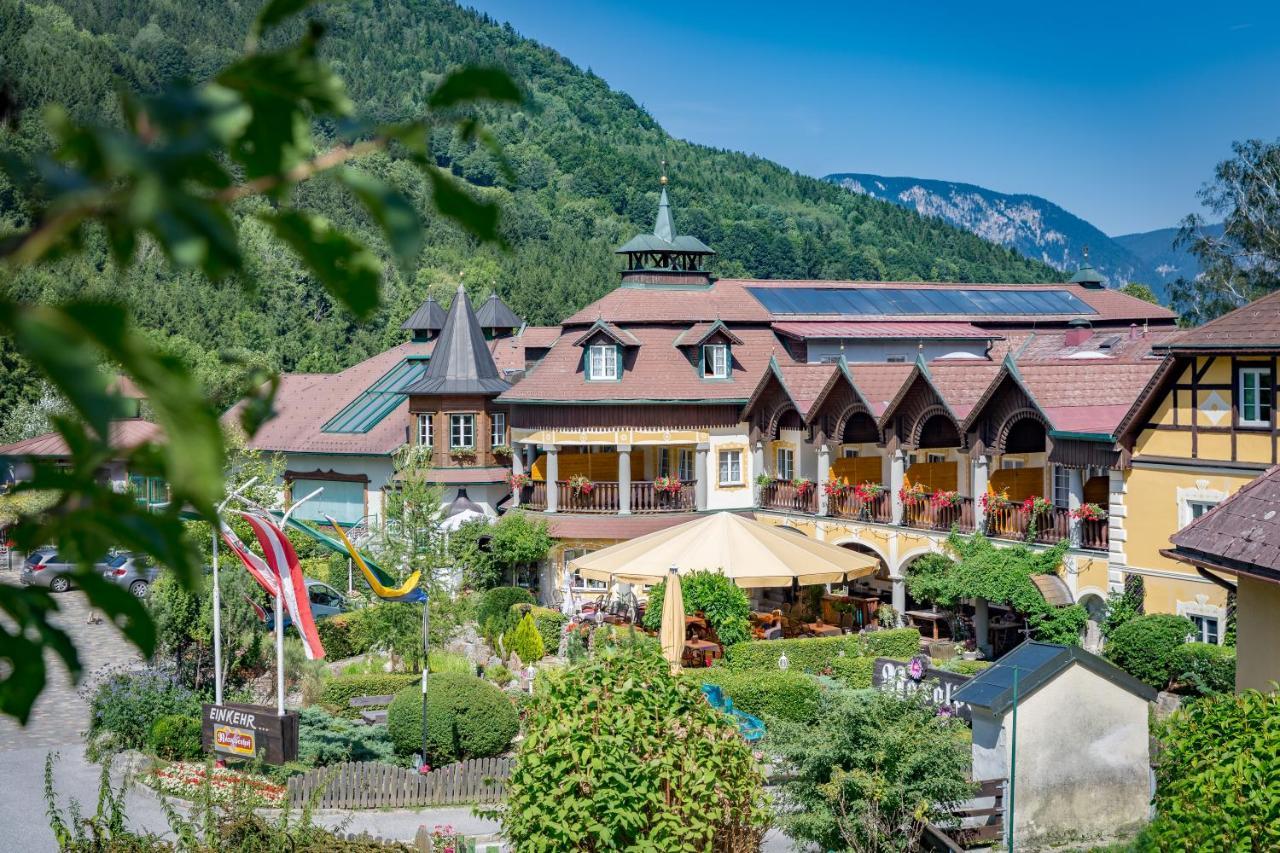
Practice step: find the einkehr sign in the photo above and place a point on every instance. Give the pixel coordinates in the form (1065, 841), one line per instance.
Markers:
(249, 731)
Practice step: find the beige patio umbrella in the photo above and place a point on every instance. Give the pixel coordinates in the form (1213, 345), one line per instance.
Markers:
(751, 553)
(671, 634)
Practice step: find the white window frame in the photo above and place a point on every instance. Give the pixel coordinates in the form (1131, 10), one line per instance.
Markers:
(1208, 628)
(462, 428)
(784, 463)
(497, 429)
(1262, 397)
(685, 465)
(726, 463)
(1010, 464)
(1201, 613)
(1201, 494)
(602, 363)
(935, 458)
(849, 452)
(576, 582)
(427, 429)
(1061, 487)
(715, 361)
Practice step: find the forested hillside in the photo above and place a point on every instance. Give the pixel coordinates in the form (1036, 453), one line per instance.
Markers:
(585, 162)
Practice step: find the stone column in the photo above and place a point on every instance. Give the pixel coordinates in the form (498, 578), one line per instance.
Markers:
(624, 479)
(517, 468)
(553, 474)
(757, 467)
(897, 473)
(824, 474)
(899, 594)
(700, 476)
(981, 625)
(1075, 497)
(981, 476)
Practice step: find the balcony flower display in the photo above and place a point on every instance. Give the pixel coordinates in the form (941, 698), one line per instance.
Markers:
(463, 454)
(867, 492)
(992, 501)
(943, 499)
(503, 450)
(519, 481)
(1036, 505)
(1089, 512)
(803, 487)
(581, 486)
(834, 488)
(913, 493)
(667, 485)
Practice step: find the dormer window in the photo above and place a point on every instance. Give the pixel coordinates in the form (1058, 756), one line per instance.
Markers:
(715, 361)
(602, 362)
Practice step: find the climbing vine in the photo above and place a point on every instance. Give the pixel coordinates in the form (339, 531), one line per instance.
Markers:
(974, 568)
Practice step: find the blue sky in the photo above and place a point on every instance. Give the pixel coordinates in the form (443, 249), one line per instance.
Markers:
(1116, 111)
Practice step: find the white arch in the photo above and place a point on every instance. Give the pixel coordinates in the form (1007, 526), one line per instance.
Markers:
(931, 548)
(854, 540)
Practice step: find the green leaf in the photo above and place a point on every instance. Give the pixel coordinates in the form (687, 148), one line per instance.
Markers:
(475, 84)
(276, 11)
(480, 218)
(348, 270)
(393, 213)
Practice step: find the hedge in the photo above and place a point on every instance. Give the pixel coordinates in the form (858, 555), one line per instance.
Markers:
(960, 666)
(813, 654)
(1144, 646)
(495, 607)
(1206, 668)
(467, 717)
(550, 624)
(791, 696)
(853, 672)
(340, 690)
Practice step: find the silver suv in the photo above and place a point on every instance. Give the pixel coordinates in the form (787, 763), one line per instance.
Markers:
(134, 572)
(44, 567)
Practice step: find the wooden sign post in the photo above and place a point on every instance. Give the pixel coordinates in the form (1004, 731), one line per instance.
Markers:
(249, 731)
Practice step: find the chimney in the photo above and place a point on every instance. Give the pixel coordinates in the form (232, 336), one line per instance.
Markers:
(1079, 330)
(1133, 331)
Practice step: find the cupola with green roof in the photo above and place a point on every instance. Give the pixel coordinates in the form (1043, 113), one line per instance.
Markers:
(665, 257)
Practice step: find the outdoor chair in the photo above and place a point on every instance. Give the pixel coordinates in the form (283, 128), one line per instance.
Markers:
(773, 633)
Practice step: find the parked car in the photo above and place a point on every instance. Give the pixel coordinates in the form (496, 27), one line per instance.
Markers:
(325, 601)
(134, 572)
(45, 567)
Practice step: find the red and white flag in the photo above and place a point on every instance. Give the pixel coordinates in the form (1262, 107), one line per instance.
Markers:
(260, 571)
(283, 561)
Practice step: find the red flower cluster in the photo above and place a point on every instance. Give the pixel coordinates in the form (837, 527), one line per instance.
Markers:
(518, 481)
(1089, 512)
(945, 499)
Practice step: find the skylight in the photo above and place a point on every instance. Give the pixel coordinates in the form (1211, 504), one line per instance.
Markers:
(901, 301)
(378, 400)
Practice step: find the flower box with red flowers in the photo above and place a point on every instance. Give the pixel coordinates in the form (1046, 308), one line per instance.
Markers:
(943, 499)
(581, 486)
(519, 481)
(1089, 512)
(667, 485)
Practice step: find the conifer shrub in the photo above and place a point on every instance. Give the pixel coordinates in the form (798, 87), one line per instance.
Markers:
(525, 641)
(494, 613)
(467, 717)
(621, 755)
(550, 624)
(1144, 646)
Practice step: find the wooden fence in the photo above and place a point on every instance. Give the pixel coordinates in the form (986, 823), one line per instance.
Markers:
(371, 785)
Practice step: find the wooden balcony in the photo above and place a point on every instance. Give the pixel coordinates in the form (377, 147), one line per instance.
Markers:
(534, 495)
(783, 495)
(1095, 535)
(646, 498)
(1013, 522)
(603, 498)
(924, 514)
(848, 505)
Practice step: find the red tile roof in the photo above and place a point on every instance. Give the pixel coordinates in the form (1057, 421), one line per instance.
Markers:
(699, 332)
(1090, 396)
(868, 330)
(961, 384)
(125, 435)
(879, 383)
(806, 382)
(655, 370)
(1255, 326)
(1241, 534)
(534, 337)
(467, 475)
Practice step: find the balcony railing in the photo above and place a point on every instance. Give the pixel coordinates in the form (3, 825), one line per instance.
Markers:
(646, 498)
(924, 514)
(1013, 522)
(1094, 535)
(785, 495)
(534, 495)
(603, 497)
(849, 505)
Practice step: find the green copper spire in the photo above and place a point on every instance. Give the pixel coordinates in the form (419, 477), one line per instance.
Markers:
(662, 227)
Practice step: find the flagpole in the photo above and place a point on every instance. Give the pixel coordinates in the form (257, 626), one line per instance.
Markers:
(217, 596)
(280, 579)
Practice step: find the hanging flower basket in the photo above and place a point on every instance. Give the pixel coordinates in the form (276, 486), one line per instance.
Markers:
(667, 485)
(580, 486)
(1089, 512)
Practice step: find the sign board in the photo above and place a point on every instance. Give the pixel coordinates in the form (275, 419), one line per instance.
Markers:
(914, 676)
(246, 731)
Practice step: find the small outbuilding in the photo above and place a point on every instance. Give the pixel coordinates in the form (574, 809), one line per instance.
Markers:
(1079, 762)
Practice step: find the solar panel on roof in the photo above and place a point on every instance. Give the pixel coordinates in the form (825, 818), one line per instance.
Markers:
(900, 301)
(378, 400)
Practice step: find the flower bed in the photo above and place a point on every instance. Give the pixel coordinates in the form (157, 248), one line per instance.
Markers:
(185, 780)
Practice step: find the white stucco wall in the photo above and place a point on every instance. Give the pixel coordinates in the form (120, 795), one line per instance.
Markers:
(377, 468)
(734, 497)
(1083, 768)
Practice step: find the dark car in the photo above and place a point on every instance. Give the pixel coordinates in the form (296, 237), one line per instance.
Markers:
(44, 567)
(134, 572)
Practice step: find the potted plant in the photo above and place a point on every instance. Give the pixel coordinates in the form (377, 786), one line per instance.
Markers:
(501, 450)
(1089, 512)
(519, 481)
(944, 499)
(803, 487)
(834, 488)
(463, 454)
(580, 486)
(913, 493)
(1034, 507)
(667, 485)
(763, 479)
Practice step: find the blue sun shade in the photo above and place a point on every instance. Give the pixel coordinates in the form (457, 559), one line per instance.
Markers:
(378, 400)
(902, 301)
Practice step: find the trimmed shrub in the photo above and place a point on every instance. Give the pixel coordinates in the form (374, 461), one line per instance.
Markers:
(466, 718)
(893, 643)
(724, 603)
(853, 672)
(494, 614)
(525, 641)
(960, 666)
(336, 637)
(175, 737)
(341, 689)
(791, 696)
(324, 739)
(813, 654)
(1144, 646)
(1205, 668)
(126, 705)
(550, 624)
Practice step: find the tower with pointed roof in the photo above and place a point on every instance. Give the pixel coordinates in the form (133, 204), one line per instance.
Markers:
(665, 257)
(426, 322)
(496, 317)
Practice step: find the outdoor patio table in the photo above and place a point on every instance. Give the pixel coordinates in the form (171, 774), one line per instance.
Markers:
(867, 607)
(707, 650)
(930, 617)
(823, 629)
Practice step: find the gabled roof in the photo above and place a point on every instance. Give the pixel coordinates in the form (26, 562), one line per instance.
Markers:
(664, 237)
(1254, 327)
(879, 383)
(698, 334)
(621, 336)
(959, 385)
(428, 317)
(495, 314)
(125, 435)
(461, 362)
(842, 373)
(1241, 535)
(1036, 665)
